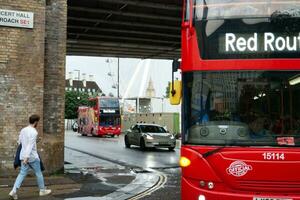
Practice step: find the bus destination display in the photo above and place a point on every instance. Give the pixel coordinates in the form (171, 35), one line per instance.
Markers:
(258, 43)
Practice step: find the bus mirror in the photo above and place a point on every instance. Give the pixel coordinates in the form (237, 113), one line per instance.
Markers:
(175, 65)
(175, 92)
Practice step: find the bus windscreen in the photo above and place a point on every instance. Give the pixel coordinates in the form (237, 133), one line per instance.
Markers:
(109, 103)
(256, 108)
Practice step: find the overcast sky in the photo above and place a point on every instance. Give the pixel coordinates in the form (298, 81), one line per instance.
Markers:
(135, 70)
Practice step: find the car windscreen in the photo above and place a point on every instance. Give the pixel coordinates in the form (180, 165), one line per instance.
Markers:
(152, 129)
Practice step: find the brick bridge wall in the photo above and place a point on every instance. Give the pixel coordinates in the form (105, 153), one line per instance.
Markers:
(32, 74)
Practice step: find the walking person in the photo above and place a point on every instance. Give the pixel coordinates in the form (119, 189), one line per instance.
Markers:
(30, 158)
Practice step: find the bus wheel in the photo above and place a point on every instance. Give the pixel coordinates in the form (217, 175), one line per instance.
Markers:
(142, 144)
(127, 145)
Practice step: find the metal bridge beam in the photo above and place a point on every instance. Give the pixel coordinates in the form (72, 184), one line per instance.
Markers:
(126, 23)
(148, 4)
(123, 44)
(133, 39)
(122, 49)
(111, 30)
(123, 13)
(120, 54)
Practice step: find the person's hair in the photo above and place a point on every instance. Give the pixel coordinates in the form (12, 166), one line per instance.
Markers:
(33, 119)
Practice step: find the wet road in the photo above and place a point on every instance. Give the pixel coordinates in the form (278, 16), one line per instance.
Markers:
(171, 189)
(114, 150)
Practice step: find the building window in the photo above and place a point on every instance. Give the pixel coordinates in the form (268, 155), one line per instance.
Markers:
(75, 89)
(89, 90)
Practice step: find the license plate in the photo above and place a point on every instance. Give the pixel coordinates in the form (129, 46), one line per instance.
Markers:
(270, 198)
(163, 143)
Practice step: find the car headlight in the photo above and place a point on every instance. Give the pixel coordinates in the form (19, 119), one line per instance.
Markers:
(149, 137)
(172, 137)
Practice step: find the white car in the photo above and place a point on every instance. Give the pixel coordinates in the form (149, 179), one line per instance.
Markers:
(149, 135)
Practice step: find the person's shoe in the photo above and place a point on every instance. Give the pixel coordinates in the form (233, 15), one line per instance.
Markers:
(13, 195)
(45, 192)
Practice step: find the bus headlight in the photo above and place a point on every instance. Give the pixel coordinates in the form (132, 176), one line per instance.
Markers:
(184, 162)
(201, 197)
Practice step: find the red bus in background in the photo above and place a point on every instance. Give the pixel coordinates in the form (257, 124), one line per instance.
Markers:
(101, 117)
(241, 100)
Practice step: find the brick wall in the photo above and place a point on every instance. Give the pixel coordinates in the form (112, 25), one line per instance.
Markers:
(25, 69)
(54, 83)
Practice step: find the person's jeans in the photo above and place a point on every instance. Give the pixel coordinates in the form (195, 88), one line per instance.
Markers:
(35, 165)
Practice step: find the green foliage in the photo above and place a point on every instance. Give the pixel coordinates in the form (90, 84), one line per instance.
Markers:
(73, 101)
(168, 90)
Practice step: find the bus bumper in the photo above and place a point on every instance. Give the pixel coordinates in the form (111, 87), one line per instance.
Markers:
(190, 192)
(103, 132)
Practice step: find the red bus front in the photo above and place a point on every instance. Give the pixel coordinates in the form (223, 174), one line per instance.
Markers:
(110, 116)
(241, 95)
(101, 117)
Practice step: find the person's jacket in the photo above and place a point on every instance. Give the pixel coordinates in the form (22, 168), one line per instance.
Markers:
(17, 162)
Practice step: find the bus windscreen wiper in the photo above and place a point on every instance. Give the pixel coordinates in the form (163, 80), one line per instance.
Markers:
(209, 153)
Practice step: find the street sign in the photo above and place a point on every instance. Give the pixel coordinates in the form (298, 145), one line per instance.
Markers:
(16, 18)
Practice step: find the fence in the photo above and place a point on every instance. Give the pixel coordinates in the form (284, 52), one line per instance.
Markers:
(69, 123)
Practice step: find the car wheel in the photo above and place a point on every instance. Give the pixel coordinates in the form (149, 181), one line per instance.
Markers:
(127, 145)
(171, 148)
(142, 144)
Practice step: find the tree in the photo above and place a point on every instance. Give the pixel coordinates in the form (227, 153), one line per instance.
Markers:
(168, 90)
(73, 101)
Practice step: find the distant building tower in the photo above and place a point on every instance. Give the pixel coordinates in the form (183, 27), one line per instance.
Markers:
(150, 92)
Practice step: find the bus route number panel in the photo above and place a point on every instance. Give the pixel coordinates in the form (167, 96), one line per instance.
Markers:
(270, 198)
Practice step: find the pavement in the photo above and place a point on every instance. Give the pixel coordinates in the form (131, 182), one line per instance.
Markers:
(88, 178)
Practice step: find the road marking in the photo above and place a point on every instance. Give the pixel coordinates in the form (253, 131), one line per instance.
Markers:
(160, 183)
(162, 178)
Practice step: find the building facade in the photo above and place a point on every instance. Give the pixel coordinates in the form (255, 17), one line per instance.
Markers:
(32, 71)
(87, 86)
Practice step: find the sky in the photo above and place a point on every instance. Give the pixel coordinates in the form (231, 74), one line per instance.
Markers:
(134, 74)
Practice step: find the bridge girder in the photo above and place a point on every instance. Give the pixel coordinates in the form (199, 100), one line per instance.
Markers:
(124, 28)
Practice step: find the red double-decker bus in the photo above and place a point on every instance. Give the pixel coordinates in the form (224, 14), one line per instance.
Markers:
(241, 100)
(101, 117)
